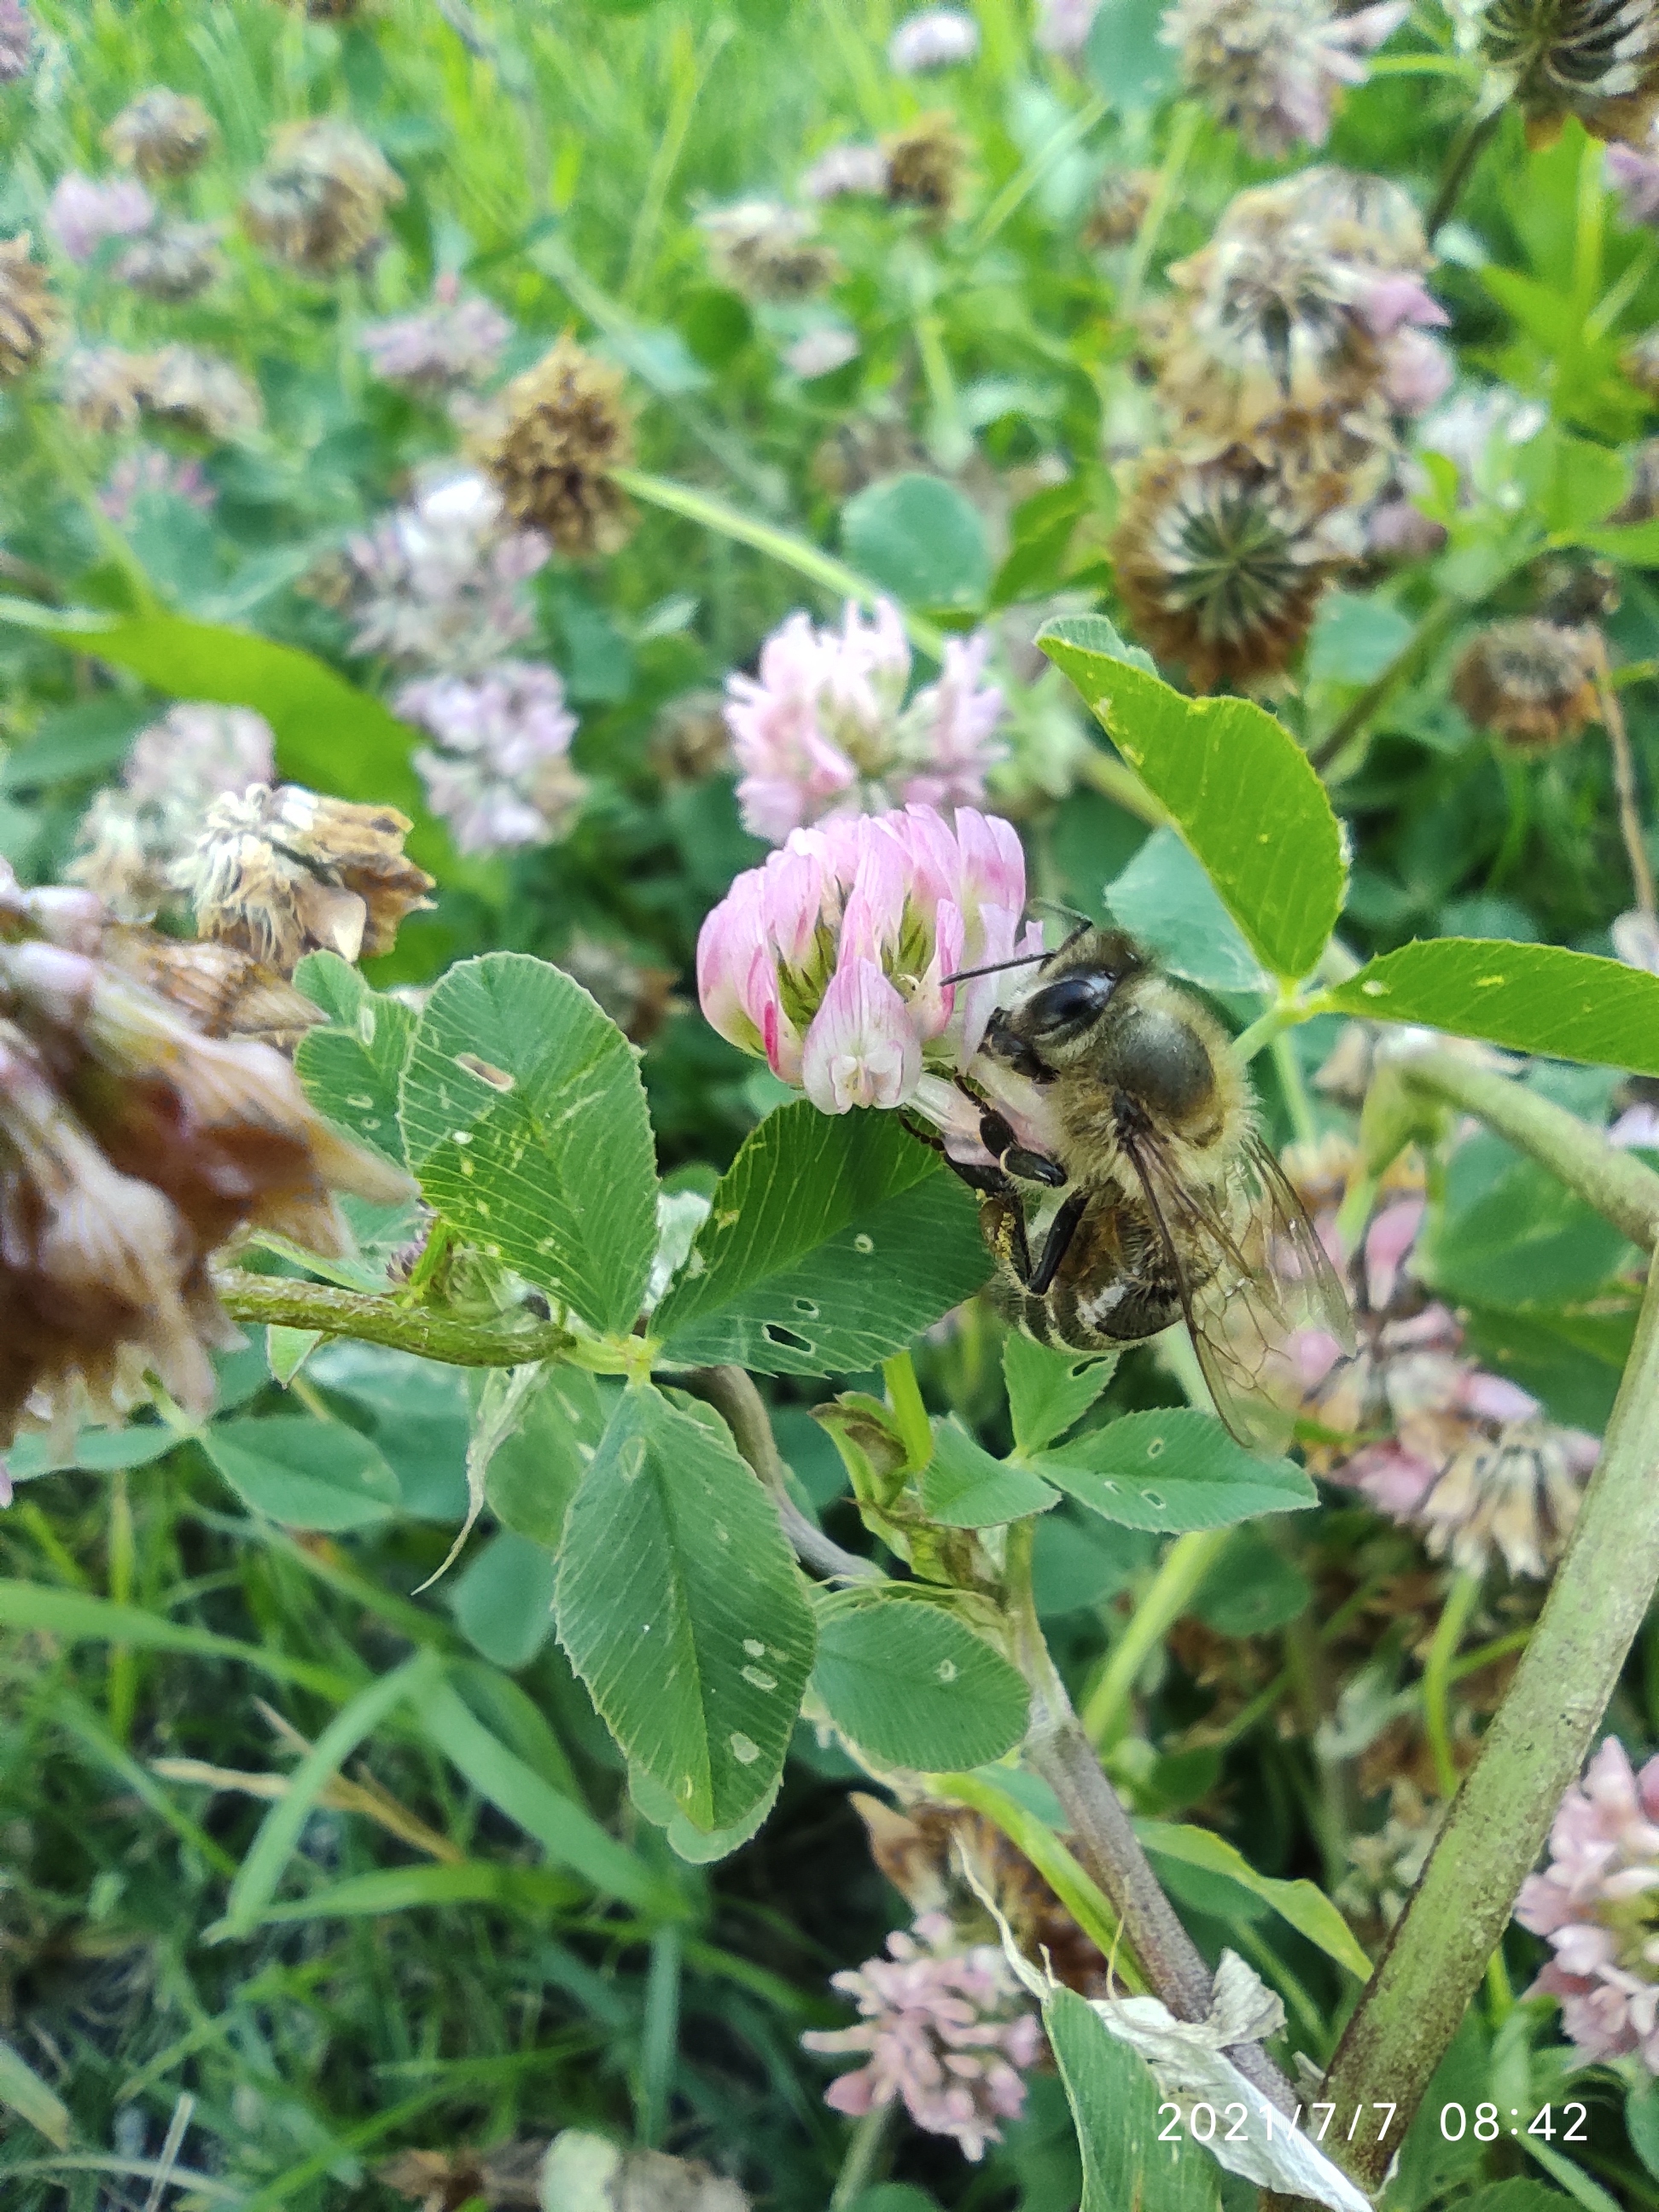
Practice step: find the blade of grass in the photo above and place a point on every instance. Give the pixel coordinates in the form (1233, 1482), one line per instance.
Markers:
(23, 2092)
(79, 1618)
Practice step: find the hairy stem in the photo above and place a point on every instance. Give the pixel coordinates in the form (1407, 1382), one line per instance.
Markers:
(1466, 149)
(288, 1303)
(1533, 1751)
(733, 1393)
(1614, 1182)
(1057, 1749)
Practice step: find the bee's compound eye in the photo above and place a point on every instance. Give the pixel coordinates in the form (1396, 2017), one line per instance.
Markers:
(1067, 1004)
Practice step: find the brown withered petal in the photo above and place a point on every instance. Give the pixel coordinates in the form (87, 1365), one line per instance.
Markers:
(131, 1146)
(563, 427)
(444, 2180)
(637, 996)
(175, 262)
(224, 990)
(280, 872)
(926, 164)
(1531, 682)
(1596, 59)
(29, 316)
(1221, 562)
(162, 133)
(318, 203)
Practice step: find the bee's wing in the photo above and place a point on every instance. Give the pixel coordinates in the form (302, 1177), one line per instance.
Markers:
(1265, 1275)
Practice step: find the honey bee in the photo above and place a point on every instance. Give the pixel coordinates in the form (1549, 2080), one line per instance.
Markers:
(1174, 1207)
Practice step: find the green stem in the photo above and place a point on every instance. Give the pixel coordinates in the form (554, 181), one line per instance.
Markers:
(1115, 779)
(1418, 647)
(1182, 134)
(864, 2149)
(1466, 149)
(904, 1396)
(1267, 1027)
(293, 1305)
(1461, 1601)
(1532, 1752)
(781, 545)
(659, 2036)
(1024, 181)
(732, 1392)
(1614, 1182)
(1183, 1568)
(1293, 1085)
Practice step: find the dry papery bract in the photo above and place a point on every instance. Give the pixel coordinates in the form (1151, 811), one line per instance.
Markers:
(132, 1145)
(1530, 681)
(318, 203)
(563, 426)
(280, 871)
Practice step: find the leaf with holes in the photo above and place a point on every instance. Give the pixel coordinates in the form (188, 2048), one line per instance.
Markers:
(832, 1240)
(682, 1609)
(1533, 998)
(913, 1686)
(351, 1070)
(525, 1123)
(963, 1488)
(1049, 1391)
(1171, 1471)
(1239, 787)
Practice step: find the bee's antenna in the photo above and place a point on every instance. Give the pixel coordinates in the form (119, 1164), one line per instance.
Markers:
(1071, 913)
(1023, 960)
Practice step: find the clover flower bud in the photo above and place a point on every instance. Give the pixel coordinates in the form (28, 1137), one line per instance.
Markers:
(767, 250)
(135, 833)
(162, 134)
(927, 165)
(1530, 681)
(822, 730)
(85, 215)
(1273, 69)
(1596, 59)
(500, 775)
(944, 2026)
(16, 41)
(280, 872)
(846, 172)
(564, 428)
(173, 262)
(1596, 1904)
(319, 204)
(831, 959)
(29, 316)
(200, 392)
(938, 38)
(457, 341)
(440, 583)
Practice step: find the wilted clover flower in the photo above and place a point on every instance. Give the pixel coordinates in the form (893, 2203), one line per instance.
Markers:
(1274, 68)
(136, 833)
(457, 341)
(824, 729)
(1641, 502)
(938, 38)
(318, 203)
(1466, 1457)
(1530, 681)
(845, 172)
(173, 262)
(440, 583)
(16, 41)
(29, 316)
(1221, 562)
(131, 1146)
(162, 134)
(946, 2027)
(1596, 1904)
(103, 388)
(500, 775)
(1596, 59)
(279, 873)
(200, 392)
(830, 960)
(564, 428)
(767, 250)
(927, 162)
(84, 214)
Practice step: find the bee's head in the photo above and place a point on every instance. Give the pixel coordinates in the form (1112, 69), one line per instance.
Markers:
(1056, 1018)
